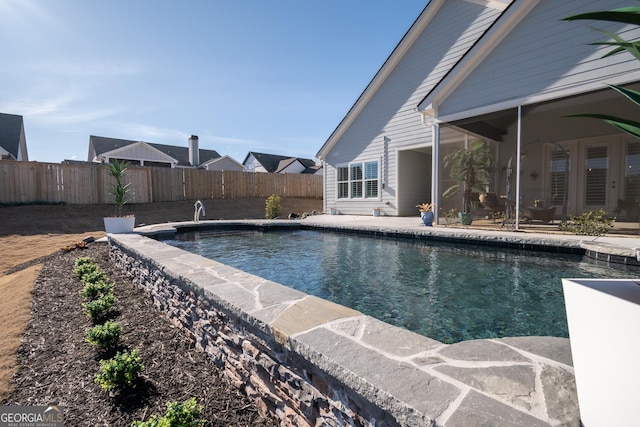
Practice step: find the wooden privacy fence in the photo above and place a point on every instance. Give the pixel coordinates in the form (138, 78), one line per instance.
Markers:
(28, 182)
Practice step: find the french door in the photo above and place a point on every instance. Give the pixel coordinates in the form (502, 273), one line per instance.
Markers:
(599, 180)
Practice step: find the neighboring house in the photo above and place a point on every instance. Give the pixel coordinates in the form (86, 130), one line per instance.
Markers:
(261, 162)
(224, 163)
(103, 150)
(507, 72)
(13, 143)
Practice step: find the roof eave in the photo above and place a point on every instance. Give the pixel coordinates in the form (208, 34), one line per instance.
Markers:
(389, 65)
(507, 21)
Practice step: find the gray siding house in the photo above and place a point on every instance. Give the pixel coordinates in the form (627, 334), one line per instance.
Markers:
(104, 149)
(274, 163)
(13, 143)
(224, 163)
(506, 72)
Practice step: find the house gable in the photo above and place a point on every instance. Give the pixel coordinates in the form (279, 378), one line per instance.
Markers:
(139, 151)
(12, 138)
(384, 122)
(441, 35)
(532, 56)
(273, 163)
(291, 166)
(223, 163)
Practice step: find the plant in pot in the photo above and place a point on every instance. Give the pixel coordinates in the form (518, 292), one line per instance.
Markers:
(120, 195)
(426, 213)
(470, 168)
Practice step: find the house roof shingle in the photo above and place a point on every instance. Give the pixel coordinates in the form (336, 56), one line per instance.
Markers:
(11, 126)
(274, 163)
(103, 145)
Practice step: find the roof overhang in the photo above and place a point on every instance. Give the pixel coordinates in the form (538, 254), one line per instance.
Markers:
(498, 32)
(387, 68)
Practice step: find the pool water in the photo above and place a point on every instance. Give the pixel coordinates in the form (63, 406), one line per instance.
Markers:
(448, 292)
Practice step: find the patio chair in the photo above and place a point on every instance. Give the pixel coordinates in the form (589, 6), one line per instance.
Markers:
(492, 203)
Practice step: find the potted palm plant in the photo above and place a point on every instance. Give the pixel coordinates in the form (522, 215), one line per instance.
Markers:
(470, 168)
(120, 195)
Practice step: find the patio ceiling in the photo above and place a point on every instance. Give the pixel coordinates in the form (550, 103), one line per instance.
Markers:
(549, 119)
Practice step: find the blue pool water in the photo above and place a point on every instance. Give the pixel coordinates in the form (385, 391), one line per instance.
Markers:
(444, 291)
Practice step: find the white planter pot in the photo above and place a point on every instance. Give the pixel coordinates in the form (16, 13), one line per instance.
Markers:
(375, 212)
(603, 318)
(122, 224)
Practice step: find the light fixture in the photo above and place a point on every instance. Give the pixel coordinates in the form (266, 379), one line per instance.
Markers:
(534, 175)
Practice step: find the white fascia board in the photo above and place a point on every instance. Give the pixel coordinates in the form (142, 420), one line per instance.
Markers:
(478, 53)
(492, 4)
(387, 68)
(119, 150)
(578, 89)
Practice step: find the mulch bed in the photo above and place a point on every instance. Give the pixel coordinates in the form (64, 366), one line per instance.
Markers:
(58, 367)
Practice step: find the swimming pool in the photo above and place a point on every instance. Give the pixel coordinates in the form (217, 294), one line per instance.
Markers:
(445, 291)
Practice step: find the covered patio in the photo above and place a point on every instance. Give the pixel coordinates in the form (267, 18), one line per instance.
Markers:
(547, 166)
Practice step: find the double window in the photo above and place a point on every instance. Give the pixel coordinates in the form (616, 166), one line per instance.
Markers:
(359, 180)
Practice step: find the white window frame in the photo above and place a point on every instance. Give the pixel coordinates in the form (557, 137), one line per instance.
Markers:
(351, 180)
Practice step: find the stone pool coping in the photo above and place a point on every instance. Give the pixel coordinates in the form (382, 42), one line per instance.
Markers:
(520, 381)
(612, 249)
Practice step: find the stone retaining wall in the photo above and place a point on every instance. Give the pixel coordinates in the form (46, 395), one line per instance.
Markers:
(312, 362)
(282, 382)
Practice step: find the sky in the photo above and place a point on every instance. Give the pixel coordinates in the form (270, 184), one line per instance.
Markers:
(273, 76)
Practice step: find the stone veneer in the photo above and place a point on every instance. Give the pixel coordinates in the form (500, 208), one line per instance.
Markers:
(312, 362)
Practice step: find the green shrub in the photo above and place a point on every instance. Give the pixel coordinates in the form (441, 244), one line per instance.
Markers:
(94, 276)
(184, 414)
(84, 268)
(450, 216)
(83, 260)
(120, 371)
(92, 291)
(98, 308)
(272, 209)
(591, 223)
(104, 336)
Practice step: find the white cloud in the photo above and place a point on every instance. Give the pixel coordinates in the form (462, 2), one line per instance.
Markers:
(27, 16)
(63, 109)
(28, 107)
(148, 133)
(92, 67)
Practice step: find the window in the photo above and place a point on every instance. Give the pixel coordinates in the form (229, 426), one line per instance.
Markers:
(358, 180)
(559, 175)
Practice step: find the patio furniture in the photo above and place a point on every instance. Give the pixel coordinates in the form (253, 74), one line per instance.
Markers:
(492, 203)
(545, 215)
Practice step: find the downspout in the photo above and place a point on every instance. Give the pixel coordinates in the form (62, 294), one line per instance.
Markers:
(518, 166)
(435, 170)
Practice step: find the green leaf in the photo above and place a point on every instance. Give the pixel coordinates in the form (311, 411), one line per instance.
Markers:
(622, 44)
(628, 126)
(632, 95)
(626, 15)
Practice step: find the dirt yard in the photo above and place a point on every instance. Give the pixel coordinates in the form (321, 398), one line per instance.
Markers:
(28, 233)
